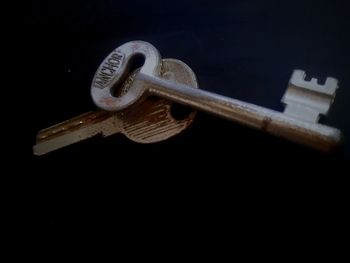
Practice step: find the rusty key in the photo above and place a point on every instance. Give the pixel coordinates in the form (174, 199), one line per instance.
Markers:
(110, 75)
(148, 121)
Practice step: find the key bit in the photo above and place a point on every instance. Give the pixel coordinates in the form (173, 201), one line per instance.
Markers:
(306, 100)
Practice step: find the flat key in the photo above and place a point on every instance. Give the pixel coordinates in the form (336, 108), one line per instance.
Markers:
(147, 82)
(75, 130)
(149, 121)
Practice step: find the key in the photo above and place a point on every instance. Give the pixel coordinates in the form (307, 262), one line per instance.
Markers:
(147, 82)
(149, 121)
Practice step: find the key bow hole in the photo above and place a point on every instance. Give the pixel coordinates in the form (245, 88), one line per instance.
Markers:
(122, 86)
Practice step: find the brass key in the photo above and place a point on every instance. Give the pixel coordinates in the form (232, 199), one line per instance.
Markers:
(148, 121)
(111, 73)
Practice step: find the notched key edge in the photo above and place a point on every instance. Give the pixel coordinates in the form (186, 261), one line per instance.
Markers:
(74, 130)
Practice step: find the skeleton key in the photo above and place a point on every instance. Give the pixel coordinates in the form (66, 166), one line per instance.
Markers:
(146, 122)
(111, 73)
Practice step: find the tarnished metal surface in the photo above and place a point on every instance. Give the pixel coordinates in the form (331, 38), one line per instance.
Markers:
(151, 120)
(306, 100)
(311, 134)
(147, 82)
(113, 72)
(148, 121)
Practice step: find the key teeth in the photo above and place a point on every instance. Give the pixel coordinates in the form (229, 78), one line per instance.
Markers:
(332, 85)
(298, 79)
(306, 100)
(298, 74)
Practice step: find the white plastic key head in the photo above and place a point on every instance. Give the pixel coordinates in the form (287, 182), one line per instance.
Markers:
(306, 100)
(114, 70)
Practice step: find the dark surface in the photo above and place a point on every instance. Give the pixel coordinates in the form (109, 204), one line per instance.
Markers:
(242, 49)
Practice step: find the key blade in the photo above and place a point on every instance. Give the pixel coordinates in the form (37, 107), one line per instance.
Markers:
(75, 130)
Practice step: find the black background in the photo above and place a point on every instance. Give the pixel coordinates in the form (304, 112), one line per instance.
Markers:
(216, 169)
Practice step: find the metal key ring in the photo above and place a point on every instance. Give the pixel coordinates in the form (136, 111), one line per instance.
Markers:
(114, 69)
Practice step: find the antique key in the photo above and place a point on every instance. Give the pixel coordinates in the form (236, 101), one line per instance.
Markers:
(148, 121)
(289, 125)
